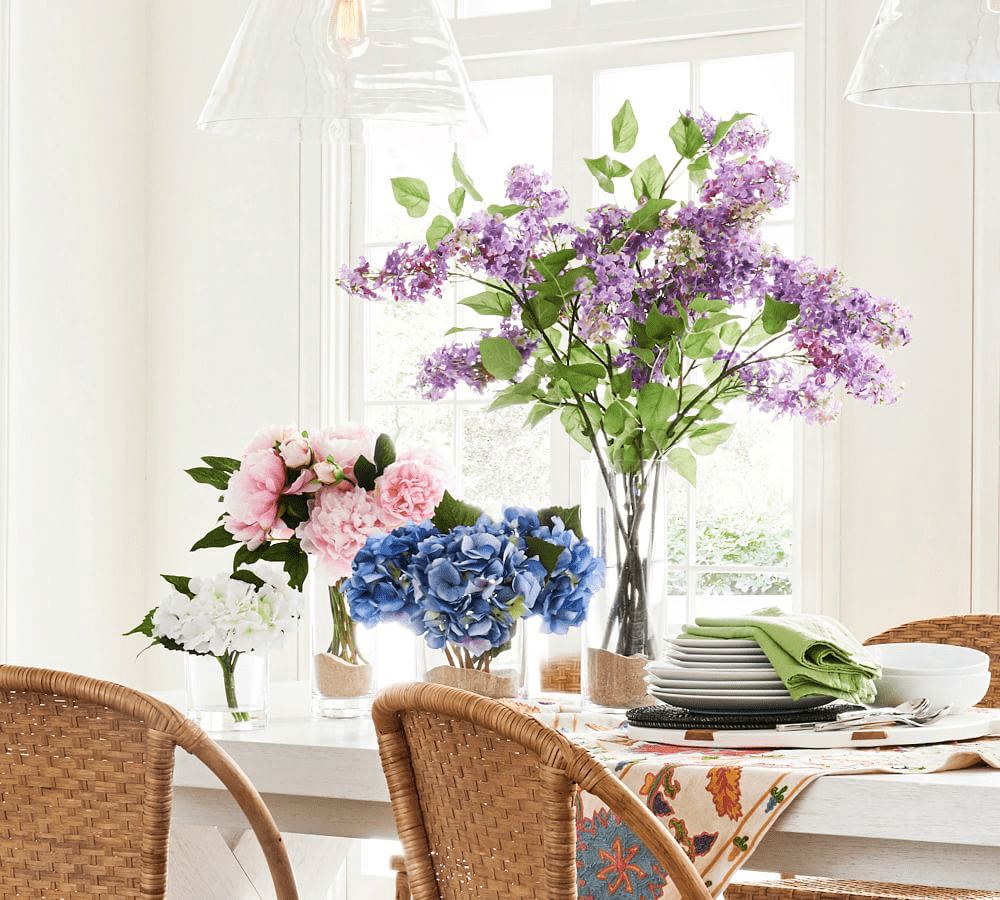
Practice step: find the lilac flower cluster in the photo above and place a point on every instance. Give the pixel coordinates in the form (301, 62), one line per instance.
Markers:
(617, 273)
(469, 586)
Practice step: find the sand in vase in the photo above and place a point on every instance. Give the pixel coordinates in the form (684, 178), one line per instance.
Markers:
(496, 685)
(336, 678)
(617, 681)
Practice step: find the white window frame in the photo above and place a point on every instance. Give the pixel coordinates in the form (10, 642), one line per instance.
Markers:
(5, 55)
(650, 31)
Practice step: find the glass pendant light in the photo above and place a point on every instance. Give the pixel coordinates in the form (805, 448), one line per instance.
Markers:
(335, 71)
(931, 55)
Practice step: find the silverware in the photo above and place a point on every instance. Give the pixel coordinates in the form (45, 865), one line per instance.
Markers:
(914, 713)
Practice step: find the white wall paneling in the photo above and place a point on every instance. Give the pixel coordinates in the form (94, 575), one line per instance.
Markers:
(986, 369)
(4, 311)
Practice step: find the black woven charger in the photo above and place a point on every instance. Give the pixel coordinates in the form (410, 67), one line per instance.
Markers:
(666, 716)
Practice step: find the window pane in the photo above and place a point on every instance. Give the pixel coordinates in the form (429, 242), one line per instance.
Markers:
(469, 9)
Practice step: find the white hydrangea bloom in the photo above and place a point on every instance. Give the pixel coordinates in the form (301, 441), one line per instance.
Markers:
(227, 615)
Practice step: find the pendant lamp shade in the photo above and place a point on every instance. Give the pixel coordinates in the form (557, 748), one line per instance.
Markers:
(343, 71)
(931, 55)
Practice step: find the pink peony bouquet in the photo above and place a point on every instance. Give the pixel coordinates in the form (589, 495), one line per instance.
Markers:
(299, 495)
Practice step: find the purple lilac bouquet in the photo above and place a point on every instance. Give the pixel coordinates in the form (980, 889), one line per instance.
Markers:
(464, 588)
(641, 323)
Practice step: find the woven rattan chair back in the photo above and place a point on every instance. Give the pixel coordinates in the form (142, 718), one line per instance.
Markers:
(483, 797)
(981, 632)
(86, 773)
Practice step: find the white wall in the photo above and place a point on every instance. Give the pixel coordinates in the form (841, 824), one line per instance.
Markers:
(77, 331)
(900, 185)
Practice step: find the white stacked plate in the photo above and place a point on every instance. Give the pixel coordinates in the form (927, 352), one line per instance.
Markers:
(720, 675)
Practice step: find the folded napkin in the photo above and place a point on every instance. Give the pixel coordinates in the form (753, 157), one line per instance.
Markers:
(813, 655)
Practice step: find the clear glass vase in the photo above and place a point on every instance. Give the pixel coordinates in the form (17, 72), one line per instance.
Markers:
(228, 692)
(625, 518)
(343, 658)
(501, 677)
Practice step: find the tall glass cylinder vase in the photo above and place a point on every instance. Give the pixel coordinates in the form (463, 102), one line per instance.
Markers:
(625, 518)
(227, 692)
(343, 658)
(501, 677)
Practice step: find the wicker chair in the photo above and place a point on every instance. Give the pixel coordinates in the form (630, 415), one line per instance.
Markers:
(483, 798)
(86, 774)
(982, 633)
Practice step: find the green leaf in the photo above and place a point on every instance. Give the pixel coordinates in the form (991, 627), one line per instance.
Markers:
(145, 627)
(456, 200)
(544, 311)
(722, 129)
(621, 383)
(439, 228)
(581, 377)
(605, 169)
(511, 209)
(656, 404)
(682, 461)
(703, 305)
(777, 314)
(705, 438)
(489, 303)
(552, 265)
(659, 327)
(616, 417)
(180, 583)
(538, 412)
(730, 333)
(459, 172)
(516, 394)
(687, 137)
(451, 513)
(217, 478)
(225, 463)
(548, 553)
(244, 555)
(647, 217)
(293, 559)
(217, 537)
(385, 453)
(573, 424)
(701, 344)
(624, 128)
(698, 169)
(570, 516)
(365, 473)
(648, 179)
(457, 329)
(500, 357)
(412, 195)
(247, 577)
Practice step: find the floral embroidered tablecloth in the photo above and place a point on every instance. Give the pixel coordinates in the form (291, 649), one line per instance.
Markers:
(718, 804)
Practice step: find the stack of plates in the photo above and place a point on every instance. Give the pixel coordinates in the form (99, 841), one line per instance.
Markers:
(711, 675)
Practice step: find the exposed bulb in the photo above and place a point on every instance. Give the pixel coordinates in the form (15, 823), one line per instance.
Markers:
(348, 31)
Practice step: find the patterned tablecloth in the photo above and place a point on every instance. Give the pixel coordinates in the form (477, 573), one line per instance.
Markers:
(718, 804)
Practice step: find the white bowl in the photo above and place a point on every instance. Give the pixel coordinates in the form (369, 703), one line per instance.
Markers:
(960, 690)
(928, 659)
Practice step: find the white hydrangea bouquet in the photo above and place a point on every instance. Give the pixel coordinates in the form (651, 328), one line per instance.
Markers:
(247, 611)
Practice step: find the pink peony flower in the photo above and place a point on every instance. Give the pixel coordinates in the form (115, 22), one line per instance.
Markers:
(340, 522)
(251, 500)
(268, 438)
(407, 491)
(426, 455)
(296, 452)
(344, 451)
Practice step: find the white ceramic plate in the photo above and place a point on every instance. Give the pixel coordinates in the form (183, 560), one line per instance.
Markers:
(687, 700)
(717, 658)
(733, 665)
(722, 673)
(712, 643)
(729, 687)
(681, 650)
(689, 691)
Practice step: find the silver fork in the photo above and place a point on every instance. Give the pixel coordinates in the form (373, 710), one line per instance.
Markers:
(915, 708)
(927, 717)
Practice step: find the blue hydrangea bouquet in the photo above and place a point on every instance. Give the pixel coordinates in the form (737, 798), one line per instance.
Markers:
(463, 582)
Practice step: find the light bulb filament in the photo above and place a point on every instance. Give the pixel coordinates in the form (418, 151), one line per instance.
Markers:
(348, 32)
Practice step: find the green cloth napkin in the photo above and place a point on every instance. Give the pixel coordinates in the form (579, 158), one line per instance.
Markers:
(813, 655)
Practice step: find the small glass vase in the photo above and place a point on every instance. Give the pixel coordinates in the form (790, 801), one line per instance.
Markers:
(228, 692)
(343, 658)
(501, 677)
(626, 523)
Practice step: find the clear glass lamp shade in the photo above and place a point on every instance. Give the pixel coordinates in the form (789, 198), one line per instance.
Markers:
(284, 78)
(931, 55)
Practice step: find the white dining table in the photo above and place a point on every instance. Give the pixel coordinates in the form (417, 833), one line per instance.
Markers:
(324, 778)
